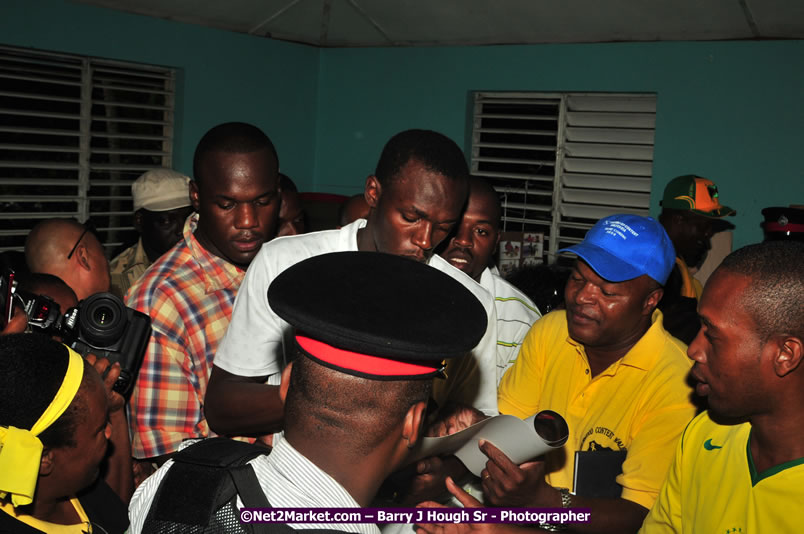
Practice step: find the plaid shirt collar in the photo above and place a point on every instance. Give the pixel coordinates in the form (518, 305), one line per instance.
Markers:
(217, 272)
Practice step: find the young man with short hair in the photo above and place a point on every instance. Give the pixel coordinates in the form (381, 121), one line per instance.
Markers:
(416, 197)
(189, 291)
(739, 466)
(470, 249)
(292, 219)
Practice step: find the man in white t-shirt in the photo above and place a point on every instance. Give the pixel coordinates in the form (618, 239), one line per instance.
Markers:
(470, 249)
(415, 197)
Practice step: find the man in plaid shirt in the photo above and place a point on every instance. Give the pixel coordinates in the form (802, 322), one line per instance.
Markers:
(190, 290)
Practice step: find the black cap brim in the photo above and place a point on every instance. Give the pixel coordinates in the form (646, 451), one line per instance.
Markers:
(379, 304)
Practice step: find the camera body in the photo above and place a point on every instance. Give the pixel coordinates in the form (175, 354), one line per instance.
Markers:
(101, 324)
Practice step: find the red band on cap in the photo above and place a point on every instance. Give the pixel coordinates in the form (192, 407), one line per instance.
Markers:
(789, 227)
(363, 363)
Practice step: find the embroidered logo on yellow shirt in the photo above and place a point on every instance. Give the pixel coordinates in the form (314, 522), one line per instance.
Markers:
(600, 438)
(708, 445)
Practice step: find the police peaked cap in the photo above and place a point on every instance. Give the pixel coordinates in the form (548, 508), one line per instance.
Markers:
(377, 315)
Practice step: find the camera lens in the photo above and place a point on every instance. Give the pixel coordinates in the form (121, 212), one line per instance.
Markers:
(103, 316)
(102, 319)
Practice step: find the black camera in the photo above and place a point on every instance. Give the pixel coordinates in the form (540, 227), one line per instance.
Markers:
(101, 324)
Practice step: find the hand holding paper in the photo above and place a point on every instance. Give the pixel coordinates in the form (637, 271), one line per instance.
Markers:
(507, 484)
(519, 440)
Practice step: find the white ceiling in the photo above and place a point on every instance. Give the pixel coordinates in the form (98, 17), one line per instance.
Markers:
(350, 23)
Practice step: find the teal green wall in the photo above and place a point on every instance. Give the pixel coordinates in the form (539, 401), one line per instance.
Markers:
(731, 111)
(223, 76)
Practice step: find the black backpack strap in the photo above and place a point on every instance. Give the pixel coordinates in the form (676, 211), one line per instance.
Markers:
(248, 487)
(219, 452)
(103, 507)
(201, 479)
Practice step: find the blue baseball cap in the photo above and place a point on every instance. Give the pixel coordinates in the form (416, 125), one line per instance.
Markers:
(623, 247)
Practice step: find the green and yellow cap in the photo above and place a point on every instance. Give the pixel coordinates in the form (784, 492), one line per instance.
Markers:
(696, 194)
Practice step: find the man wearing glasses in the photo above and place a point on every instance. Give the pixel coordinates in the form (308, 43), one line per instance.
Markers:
(71, 251)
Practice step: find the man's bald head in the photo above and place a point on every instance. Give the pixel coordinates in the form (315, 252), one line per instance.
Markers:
(49, 244)
(50, 241)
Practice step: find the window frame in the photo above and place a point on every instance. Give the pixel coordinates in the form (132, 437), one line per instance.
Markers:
(590, 178)
(113, 121)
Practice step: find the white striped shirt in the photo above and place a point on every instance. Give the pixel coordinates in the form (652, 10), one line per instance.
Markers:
(515, 314)
(288, 479)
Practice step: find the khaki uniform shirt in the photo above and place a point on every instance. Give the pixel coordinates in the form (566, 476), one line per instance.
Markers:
(127, 267)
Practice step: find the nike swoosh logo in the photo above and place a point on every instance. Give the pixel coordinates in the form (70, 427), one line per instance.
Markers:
(708, 445)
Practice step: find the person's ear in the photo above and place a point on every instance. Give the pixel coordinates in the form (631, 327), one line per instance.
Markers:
(285, 383)
(789, 355)
(652, 300)
(138, 216)
(195, 198)
(413, 424)
(82, 256)
(46, 463)
(373, 191)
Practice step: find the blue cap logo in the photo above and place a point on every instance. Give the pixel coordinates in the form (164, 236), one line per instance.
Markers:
(623, 247)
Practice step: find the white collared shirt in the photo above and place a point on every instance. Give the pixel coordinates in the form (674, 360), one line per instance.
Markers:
(288, 479)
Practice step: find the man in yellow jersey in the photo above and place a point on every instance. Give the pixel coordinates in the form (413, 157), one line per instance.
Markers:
(691, 210)
(739, 467)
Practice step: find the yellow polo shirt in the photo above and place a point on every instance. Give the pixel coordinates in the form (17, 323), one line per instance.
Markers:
(641, 403)
(690, 286)
(713, 486)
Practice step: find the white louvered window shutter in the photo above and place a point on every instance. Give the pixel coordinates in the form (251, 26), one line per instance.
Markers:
(74, 133)
(561, 161)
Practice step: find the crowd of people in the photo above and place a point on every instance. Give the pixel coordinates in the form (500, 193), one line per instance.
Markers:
(336, 351)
